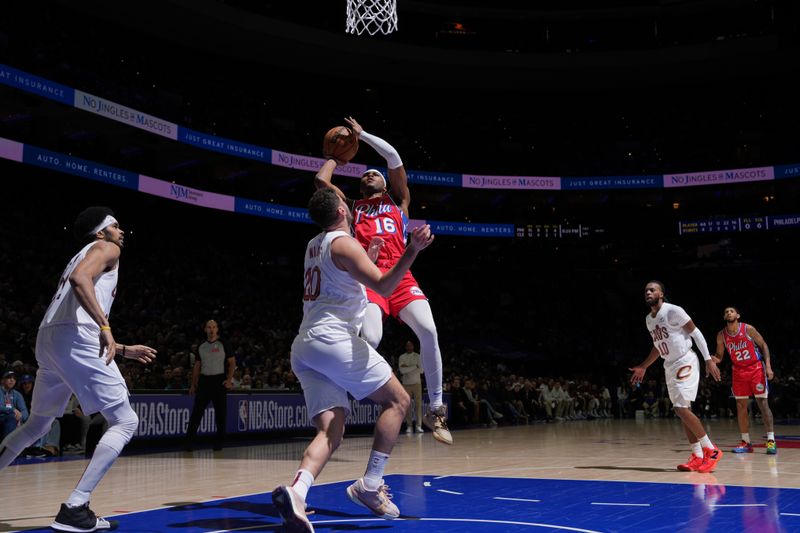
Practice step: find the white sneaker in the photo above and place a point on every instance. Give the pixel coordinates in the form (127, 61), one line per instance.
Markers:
(292, 509)
(378, 501)
(408, 430)
(419, 429)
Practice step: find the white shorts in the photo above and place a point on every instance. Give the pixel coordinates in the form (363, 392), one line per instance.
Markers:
(328, 370)
(70, 362)
(682, 378)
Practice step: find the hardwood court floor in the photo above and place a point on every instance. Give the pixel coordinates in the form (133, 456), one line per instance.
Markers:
(602, 450)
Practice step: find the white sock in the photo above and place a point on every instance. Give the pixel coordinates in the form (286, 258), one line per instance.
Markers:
(697, 450)
(302, 482)
(746, 437)
(77, 498)
(770, 435)
(373, 477)
(705, 442)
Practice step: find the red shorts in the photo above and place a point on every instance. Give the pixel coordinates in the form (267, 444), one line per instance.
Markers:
(750, 381)
(406, 292)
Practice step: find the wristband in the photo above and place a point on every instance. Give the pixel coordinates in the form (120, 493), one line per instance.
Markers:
(105, 328)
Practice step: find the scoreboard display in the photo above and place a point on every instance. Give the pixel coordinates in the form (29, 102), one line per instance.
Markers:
(737, 224)
(557, 231)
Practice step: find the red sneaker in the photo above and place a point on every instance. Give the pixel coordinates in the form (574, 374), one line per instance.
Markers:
(711, 457)
(692, 465)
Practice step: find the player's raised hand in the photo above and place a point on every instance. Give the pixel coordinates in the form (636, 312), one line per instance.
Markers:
(354, 125)
(421, 237)
(713, 370)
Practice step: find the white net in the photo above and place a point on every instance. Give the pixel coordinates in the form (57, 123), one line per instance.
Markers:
(371, 16)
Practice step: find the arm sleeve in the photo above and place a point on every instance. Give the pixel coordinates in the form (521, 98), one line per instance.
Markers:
(385, 149)
(700, 341)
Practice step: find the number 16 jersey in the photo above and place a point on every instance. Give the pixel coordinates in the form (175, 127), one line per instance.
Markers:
(380, 217)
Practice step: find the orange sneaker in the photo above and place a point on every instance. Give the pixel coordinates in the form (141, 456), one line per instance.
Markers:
(711, 457)
(692, 464)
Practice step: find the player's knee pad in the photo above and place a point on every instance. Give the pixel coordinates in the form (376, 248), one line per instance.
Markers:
(122, 424)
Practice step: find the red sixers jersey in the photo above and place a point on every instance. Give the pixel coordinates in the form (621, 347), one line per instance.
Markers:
(741, 348)
(380, 217)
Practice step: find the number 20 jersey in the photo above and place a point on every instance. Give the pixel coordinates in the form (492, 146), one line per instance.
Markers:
(380, 217)
(333, 302)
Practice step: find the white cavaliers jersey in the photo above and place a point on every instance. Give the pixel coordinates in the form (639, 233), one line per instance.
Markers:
(65, 308)
(666, 329)
(333, 302)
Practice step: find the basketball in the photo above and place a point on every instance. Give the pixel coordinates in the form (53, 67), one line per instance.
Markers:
(340, 143)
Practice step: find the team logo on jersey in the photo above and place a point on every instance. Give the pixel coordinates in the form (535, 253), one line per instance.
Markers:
(416, 291)
(684, 372)
(243, 411)
(760, 387)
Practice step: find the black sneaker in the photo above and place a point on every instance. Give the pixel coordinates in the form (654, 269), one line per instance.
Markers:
(81, 520)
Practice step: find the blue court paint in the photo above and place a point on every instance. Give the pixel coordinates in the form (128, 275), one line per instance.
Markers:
(480, 504)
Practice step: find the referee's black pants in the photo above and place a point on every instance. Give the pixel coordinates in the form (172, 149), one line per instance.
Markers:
(209, 389)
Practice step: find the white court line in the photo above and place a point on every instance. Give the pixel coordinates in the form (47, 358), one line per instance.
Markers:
(623, 504)
(450, 492)
(789, 514)
(515, 499)
(480, 521)
(740, 505)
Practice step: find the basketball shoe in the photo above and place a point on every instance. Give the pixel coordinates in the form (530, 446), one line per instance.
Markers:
(711, 457)
(378, 501)
(691, 465)
(292, 509)
(81, 519)
(744, 447)
(772, 448)
(436, 420)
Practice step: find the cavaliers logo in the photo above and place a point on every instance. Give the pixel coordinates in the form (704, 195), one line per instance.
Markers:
(760, 387)
(684, 372)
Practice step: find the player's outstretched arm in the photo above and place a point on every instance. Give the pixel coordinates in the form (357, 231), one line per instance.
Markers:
(350, 256)
(398, 179)
(137, 352)
(639, 370)
(324, 177)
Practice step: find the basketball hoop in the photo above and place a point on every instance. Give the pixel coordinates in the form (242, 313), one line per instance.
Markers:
(371, 16)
